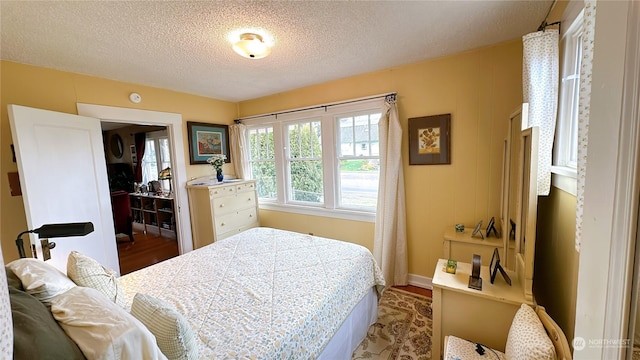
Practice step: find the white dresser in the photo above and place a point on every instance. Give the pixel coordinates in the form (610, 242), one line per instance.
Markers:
(219, 210)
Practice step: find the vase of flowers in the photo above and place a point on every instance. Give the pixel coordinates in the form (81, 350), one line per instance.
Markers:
(216, 162)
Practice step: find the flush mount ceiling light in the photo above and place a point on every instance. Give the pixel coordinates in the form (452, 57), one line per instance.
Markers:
(251, 46)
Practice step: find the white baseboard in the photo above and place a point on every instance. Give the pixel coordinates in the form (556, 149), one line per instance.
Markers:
(420, 281)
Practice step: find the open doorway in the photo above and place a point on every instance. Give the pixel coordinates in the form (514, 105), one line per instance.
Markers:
(139, 167)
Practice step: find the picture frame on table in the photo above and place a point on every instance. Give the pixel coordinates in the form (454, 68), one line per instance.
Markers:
(430, 140)
(206, 140)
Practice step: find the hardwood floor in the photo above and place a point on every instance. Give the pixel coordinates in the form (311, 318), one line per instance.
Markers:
(415, 290)
(144, 251)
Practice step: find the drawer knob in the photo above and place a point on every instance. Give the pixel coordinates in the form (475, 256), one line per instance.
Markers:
(221, 205)
(249, 199)
(222, 224)
(250, 215)
(215, 193)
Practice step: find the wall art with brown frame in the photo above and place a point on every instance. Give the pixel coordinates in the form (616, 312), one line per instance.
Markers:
(206, 140)
(430, 140)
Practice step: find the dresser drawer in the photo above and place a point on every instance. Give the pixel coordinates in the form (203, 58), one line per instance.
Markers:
(235, 220)
(246, 187)
(222, 191)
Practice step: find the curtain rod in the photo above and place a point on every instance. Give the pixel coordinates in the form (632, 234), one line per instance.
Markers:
(389, 96)
(544, 24)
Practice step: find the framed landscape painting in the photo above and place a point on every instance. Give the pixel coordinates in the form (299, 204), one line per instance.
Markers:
(206, 140)
(430, 140)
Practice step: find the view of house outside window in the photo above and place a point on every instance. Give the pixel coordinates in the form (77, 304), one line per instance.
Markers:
(322, 160)
(359, 158)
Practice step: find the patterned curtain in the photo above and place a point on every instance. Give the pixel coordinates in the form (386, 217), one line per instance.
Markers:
(540, 90)
(390, 236)
(588, 35)
(239, 151)
(6, 325)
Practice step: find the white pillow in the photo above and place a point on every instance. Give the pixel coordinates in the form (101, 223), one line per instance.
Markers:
(102, 329)
(40, 279)
(88, 272)
(527, 337)
(171, 329)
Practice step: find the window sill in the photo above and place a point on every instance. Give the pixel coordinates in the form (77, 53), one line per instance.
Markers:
(565, 179)
(318, 211)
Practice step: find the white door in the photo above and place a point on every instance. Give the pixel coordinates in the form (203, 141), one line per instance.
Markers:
(63, 177)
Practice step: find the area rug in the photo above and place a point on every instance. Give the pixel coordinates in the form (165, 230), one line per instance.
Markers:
(403, 330)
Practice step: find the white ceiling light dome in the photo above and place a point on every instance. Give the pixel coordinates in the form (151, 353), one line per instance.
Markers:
(251, 46)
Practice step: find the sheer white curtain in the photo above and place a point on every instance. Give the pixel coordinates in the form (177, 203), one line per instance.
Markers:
(239, 151)
(390, 237)
(540, 90)
(589, 27)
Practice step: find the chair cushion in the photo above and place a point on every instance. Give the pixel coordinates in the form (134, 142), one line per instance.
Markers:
(457, 348)
(86, 271)
(527, 338)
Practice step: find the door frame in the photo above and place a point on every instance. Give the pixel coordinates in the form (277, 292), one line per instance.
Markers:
(174, 124)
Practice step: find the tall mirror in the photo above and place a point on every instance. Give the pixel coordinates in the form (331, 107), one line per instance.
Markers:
(511, 167)
(527, 209)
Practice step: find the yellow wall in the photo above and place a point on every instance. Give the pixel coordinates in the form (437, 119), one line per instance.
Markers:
(60, 91)
(556, 265)
(480, 89)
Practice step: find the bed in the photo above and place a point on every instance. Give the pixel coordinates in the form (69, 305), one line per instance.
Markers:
(268, 294)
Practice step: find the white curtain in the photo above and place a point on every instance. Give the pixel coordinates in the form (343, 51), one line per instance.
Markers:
(589, 21)
(390, 237)
(6, 325)
(540, 90)
(239, 151)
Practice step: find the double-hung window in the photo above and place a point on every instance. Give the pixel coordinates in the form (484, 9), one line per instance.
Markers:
(566, 153)
(304, 162)
(566, 142)
(321, 161)
(157, 156)
(359, 160)
(262, 161)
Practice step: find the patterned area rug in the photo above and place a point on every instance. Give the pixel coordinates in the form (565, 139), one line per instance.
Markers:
(403, 330)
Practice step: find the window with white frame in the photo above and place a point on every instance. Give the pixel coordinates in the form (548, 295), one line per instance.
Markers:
(304, 162)
(566, 150)
(359, 160)
(262, 161)
(157, 156)
(320, 160)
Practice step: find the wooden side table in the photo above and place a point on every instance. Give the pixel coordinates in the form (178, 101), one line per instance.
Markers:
(482, 316)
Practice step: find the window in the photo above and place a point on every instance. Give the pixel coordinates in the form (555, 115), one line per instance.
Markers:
(566, 153)
(304, 162)
(359, 159)
(157, 156)
(322, 162)
(262, 161)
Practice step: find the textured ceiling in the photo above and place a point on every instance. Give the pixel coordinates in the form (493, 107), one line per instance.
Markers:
(183, 45)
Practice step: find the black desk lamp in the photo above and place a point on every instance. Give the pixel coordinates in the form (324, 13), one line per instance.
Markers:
(54, 231)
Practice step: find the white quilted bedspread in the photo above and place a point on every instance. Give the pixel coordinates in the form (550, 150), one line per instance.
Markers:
(264, 293)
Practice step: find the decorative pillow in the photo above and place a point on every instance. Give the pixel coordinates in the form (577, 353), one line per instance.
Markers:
(102, 329)
(88, 272)
(36, 334)
(13, 280)
(40, 279)
(171, 329)
(527, 338)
